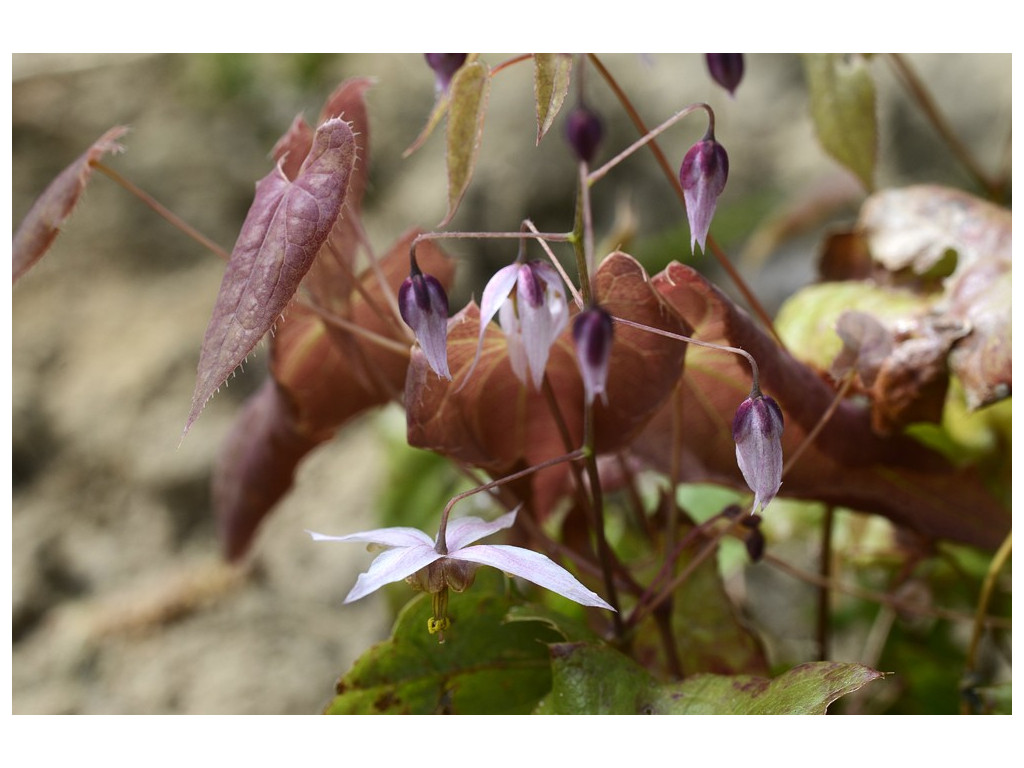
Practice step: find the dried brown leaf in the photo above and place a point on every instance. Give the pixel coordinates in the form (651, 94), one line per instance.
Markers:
(847, 465)
(916, 229)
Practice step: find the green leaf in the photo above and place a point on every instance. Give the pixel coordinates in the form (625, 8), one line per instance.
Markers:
(551, 76)
(485, 666)
(467, 107)
(806, 322)
(596, 679)
(706, 627)
(842, 96)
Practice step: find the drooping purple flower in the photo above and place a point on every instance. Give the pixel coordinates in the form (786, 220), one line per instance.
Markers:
(592, 334)
(757, 430)
(583, 130)
(703, 175)
(423, 305)
(726, 69)
(445, 65)
(413, 555)
(529, 300)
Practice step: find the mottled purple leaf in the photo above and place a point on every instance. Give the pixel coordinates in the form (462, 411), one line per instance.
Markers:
(286, 226)
(323, 376)
(291, 149)
(348, 102)
(43, 221)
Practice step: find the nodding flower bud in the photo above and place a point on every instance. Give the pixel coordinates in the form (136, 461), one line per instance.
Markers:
(592, 335)
(445, 65)
(726, 69)
(584, 131)
(423, 305)
(757, 430)
(753, 538)
(703, 175)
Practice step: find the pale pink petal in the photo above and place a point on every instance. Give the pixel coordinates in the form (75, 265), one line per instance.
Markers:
(533, 567)
(495, 295)
(385, 537)
(391, 566)
(513, 330)
(540, 325)
(466, 530)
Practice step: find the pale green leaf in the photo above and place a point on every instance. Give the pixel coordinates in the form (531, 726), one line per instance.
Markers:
(842, 96)
(467, 97)
(806, 322)
(596, 679)
(551, 76)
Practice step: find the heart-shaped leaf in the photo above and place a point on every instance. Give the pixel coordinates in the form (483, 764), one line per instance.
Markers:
(291, 149)
(485, 666)
(494, 422)
(551, 75)
(44, 219)
(286, 226)
(588, 678)
(348, 101)
(847, 465)
(323, 376)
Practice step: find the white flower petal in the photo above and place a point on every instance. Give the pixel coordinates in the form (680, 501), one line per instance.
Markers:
(391, 566)
(385, 537)
(539, 327)
(534, 567)
(466, 530)
(513, 330)
(496, 293)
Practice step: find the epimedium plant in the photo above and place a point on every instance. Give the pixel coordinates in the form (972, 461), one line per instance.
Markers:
(590, 414)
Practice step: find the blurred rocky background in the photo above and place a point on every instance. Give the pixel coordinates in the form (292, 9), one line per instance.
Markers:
(120, 601)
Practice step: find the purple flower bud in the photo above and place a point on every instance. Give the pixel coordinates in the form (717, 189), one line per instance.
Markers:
(424, 308)
(592, 335)
(726, 69)
(702, 175)
(445, 65)
(757, 430)
(753, 537)
(584, 131)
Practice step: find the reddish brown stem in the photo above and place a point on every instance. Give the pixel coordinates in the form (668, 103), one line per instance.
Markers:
(673, 180)
(162, 211)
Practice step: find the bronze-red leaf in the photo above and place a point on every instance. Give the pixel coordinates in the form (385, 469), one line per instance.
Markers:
(286, 226)
(43, 221)
(848, 464)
